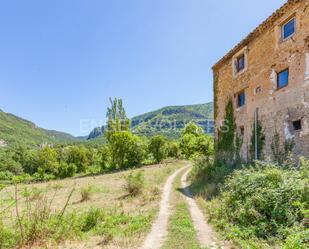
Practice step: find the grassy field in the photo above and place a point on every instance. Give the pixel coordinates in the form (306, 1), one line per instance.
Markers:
(88, 212)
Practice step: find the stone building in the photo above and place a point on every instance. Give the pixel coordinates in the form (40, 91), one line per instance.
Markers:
(267, 78)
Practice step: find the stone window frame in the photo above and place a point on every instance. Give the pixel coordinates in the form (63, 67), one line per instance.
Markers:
(293, 125)
(281, 27)
(277, 79)
(236, 96)
(243, 51)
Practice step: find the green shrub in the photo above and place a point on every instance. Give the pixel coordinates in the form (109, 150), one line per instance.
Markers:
(158, 148)
(194, 142)
(207, 175)
(173, 150)
(135, 183)
(91, 219)
(66, 170)
(104, 154)
(8, 237)
(126, 149)
(6, 175)
(261, 202)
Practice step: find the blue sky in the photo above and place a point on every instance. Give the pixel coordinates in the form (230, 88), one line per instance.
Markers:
(60, 60)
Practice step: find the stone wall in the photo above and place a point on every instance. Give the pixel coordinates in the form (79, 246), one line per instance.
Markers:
(278, 108)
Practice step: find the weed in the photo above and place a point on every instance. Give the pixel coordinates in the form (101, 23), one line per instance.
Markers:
(135, 183)
(86, 193)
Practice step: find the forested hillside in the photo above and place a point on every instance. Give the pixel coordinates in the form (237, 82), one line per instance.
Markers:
(16, 131)
(168, 121)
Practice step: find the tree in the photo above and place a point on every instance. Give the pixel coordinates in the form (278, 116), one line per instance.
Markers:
(47, 161)
(173, 150)
(79, 156)
(116, 118)
(126, 149)
(104, 154)
(194, 142)
(158, 147)
(193, 129)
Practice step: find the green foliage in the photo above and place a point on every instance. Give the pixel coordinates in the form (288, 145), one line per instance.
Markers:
(194, 142)
(226, 143)
(16, 131)
(104, 153)
(126, 150)
(66, 170)
(158, 147)
(91, 219)
(280, 155)
(47, 161)
(207, 175)
(6, 175)
(173, 150)
(169, 121)
(135, 183)
(117, 118)
(79, 156)
(263, 202)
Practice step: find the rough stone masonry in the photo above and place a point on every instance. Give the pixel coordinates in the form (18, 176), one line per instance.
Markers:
(268, 73)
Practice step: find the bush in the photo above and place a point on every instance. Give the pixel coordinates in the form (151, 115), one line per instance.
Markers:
(66, 170)
(6, 175)
(158, 148)
(86, 193)
(91, 219)
(173, 150)
(79, 156)
(135, 183)
(263, 201)
(126, 149)
(194, 142)
(104, 154)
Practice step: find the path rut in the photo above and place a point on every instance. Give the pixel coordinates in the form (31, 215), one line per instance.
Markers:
(205, 234)
(158, 233)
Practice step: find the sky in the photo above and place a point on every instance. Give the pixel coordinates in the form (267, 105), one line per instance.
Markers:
(61, 60)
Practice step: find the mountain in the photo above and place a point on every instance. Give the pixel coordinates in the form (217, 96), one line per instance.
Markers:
(16, 131)
(169, 121)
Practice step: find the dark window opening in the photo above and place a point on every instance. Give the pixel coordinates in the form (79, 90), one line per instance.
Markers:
(240, 63)
(258, 90)
(297, 125)
(241, 99)
(288, 29)
(242, 131)
(283, 78)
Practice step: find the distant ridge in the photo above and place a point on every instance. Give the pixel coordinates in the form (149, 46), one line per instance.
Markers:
(168, 121)
(15, 131)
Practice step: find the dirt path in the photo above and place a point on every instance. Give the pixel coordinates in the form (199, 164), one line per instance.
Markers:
(158, 232)
(205, 235)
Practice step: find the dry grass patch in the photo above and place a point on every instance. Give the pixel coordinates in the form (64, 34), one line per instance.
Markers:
(124, 222)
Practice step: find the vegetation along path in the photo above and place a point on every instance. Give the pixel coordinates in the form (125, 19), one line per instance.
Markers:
(158, 232)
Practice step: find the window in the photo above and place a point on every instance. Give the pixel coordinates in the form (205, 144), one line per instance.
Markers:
(297, 125)
(241, 99)
(258, 90)
(242, 131)
(283, 78)
(240, 63)
(288, 29)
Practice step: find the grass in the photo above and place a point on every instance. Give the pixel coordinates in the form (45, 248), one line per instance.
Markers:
(112, 221)
(181, 232)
